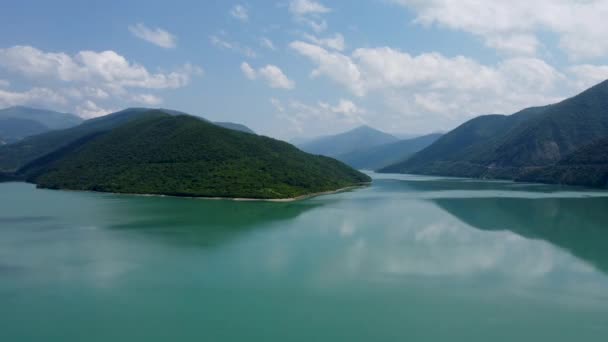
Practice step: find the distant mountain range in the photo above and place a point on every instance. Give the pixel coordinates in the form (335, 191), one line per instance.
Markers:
(381, 156)
(555, 144)
(156, 152)
(358, 139)
(365, 147)
(19, 122)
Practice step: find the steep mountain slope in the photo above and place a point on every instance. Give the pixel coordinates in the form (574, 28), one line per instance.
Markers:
(586, 166)
(506, 146)
(185, 156)
(380, 156)
(360, 138)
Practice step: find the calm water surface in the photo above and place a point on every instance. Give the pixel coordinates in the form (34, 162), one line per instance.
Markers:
(407, 259)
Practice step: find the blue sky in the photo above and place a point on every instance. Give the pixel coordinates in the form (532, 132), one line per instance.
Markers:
(292, 68)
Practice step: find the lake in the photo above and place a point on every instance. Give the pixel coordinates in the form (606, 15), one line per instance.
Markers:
(407, 259)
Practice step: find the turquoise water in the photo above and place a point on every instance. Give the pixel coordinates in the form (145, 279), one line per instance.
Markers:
(407, 259)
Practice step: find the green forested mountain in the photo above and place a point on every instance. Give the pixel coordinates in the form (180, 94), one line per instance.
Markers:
(183, 156)
(498, 146)
(360, 138)
(380, 156)
(16, 155)
(19, 122)
(235, 126)
(586, 166)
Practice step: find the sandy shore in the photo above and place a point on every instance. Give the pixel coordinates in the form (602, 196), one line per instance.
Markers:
(242, 199)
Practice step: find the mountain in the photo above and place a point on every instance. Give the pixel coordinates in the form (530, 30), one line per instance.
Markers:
(15, 155)
(235, 126)
(360, 138)
(380, 156)
(587, 166)
(15, 129)
(159, 153)
(19, 122)
(507, 147)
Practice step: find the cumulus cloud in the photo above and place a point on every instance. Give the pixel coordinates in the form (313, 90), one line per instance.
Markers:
(36, 96)
(431, 89)
(105, 69)
(512, 26)
(273, 75)
(62, 80)
(240, 12)
(156, 36)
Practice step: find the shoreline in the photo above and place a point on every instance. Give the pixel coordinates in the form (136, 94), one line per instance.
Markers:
(235, 199)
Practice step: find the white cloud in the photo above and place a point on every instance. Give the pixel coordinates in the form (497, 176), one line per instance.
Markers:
(77, 82)
(156, 36)
(321, 118)
(587, 75)
(248, 71)
(309, 13)
(267, 43)
(36, 96)
(512, 26)
(336, 66)
(344, 107)
(273, 75)
(432, 90)
(90, 109)
(106, 69)
(233, 46)
(336, 42)
(307, 7)
(147, 99)
(240, 12)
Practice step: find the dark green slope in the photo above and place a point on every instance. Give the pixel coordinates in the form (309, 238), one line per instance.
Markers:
(15, 156)
(380, 156)
(507, 146)
(360, 138)
(587, 166)
(235, 126)
(185, 156)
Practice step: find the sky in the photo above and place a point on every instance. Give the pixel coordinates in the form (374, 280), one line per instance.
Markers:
(303, 68)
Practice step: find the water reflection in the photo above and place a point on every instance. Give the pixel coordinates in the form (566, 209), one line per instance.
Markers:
(199, 222)
(578, 225)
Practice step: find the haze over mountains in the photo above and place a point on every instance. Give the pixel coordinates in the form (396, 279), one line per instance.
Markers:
(546, 144)
(362, 137)
(366, 148)
(19, 122)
